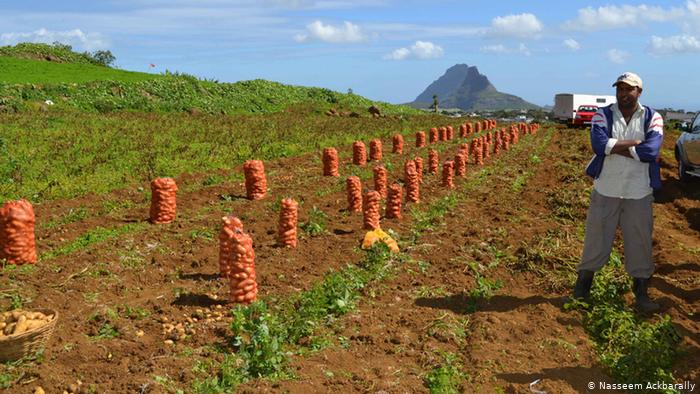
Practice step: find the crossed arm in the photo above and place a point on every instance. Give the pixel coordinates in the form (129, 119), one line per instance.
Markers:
(622, 147)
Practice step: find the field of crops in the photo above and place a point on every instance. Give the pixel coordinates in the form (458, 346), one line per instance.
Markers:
(473, 302)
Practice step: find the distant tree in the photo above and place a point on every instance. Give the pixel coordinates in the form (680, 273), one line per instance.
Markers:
(435, 103)
(59, 45)
(350, 91)
(105, 58)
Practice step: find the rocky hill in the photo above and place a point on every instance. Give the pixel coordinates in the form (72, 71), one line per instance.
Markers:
(464, 87)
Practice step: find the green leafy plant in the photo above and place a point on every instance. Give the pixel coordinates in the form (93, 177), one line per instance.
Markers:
(316, 224)
(446, 377)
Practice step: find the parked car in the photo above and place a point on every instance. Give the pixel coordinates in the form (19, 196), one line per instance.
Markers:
(584, 114)
(688, 151)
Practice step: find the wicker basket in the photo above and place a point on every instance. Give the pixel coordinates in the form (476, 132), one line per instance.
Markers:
(16, 346)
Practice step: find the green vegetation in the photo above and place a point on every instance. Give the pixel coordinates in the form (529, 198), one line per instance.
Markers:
(632, 349)
(29, 71)
(105, 319)
(95, 146)
(57, 53)
(316, 225)
(177, 93)
(99, 153)
(93, 236)
(80, 81)
(447, 377)
(484, 290)
(264, 336)
(11, 371)
(73, 215)
(448, 326)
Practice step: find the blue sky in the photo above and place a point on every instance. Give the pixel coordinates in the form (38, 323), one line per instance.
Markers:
(388, 50)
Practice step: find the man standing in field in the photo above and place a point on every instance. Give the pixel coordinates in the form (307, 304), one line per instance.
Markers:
(626, 138)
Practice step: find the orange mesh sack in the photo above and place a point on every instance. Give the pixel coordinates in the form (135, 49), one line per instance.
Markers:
(255, 180)
(463, 130)
(163, 200)
(464, 150)
(420, 139)
(479, 155)
(330, 162)
(359, 154)
(380, 180)
(448, 174)
(17, 241)
(375, 150)
(370, 208)
(243, 285)
(412, 182)
(229, 224)
(419, 168)
(433, 161)
(287, 229)
(442, 133)
(354, 191)
(433, 135)
(460, 164)
(393, 202)
(397, 144)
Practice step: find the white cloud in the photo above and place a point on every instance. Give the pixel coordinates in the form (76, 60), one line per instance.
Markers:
(572, 44)
(615, 17)
(348, 32)
(673, 44)
(75, 37)
(521, 26)
(402, 30)
(419, 50)
(691, 22)
(501, 49)
(617, 56)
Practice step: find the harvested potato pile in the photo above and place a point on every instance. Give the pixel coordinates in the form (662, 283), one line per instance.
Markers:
(17, 322)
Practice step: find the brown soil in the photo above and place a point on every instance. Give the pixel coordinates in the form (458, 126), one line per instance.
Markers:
(396, 334)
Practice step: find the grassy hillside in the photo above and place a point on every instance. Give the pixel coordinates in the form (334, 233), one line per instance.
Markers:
(177, 93)
(34, 73)
(56, 53)
(108, 129)
(21, 71)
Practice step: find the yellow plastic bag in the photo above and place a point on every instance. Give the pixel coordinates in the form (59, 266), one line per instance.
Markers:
(379, 236)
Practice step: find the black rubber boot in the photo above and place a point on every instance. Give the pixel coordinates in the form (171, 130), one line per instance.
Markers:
(643, 303)
(582, 289)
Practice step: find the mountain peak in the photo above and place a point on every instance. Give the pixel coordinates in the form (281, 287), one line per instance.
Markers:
(463, 86)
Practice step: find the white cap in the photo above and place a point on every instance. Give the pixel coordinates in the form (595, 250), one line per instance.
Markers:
(629, 78)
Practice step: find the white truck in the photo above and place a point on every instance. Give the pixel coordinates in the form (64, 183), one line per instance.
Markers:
(566, 106)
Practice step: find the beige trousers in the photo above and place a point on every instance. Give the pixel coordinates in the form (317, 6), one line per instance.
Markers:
(635, 218)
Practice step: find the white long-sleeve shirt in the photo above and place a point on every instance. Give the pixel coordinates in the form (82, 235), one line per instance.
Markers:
(624, 177)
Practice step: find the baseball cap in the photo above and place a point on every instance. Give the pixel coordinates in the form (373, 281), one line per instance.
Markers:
(629, 78)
